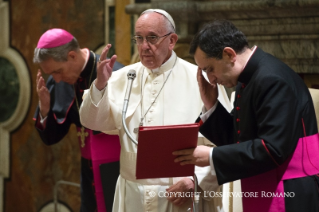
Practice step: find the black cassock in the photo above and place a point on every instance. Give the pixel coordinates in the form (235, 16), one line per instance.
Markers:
(272, 102)
(63, 112)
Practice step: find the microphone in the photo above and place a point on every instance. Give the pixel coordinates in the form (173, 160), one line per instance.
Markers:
(130, 76)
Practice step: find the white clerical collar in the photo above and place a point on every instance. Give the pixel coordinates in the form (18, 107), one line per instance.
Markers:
(165, 66)
(251, 54)
(86, 59)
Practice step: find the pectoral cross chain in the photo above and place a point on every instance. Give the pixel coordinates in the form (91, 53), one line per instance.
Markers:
(137, 128)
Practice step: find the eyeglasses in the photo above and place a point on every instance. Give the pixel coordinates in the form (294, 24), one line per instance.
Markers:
(152, 39)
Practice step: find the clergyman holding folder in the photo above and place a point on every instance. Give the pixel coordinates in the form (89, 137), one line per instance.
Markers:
(164, 92)
(271, 138)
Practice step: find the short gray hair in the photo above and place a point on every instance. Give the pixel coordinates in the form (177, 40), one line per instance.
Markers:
(59, 54)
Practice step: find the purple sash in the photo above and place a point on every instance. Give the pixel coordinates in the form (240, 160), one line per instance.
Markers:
(100, 148)
(104, 149)
(269, 186)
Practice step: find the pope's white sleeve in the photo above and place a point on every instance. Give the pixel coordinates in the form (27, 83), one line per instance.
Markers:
(97, 94)
(95, 111)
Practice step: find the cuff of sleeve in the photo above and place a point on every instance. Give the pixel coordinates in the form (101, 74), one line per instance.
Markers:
(212, 168)
(206, 113)
(97, 94)
(42, 120)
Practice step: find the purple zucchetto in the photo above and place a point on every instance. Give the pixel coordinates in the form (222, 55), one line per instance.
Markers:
(54, 38)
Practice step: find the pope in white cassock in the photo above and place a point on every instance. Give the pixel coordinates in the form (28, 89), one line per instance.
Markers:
(164, 92)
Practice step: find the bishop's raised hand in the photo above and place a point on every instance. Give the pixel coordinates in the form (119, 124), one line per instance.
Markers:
(43, 94)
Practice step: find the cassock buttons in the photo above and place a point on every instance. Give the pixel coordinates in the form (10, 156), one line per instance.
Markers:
(238, 120)
(238, 131)
(238, 96)
(243, 86)
(81, 90)
(237, 108)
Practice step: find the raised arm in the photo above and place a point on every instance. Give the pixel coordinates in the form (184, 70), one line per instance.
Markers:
(95, 111)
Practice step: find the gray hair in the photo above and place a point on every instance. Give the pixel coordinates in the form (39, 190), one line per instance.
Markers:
(58, 54)
(170, 24)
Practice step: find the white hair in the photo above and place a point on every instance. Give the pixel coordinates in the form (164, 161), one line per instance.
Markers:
(168, 17)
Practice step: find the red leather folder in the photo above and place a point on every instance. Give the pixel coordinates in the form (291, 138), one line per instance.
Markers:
(156, 145)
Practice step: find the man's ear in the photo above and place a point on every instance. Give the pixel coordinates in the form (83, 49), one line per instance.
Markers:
(173, 40)
(72, 55)
(229, 54)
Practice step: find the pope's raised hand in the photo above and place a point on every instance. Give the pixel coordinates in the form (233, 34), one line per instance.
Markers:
(43, 94)
(208, 91)
(104, 68)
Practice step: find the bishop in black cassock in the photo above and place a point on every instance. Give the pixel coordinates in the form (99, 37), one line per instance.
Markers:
(65, 100)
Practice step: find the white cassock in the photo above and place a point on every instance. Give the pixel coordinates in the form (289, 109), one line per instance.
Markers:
(179, 102)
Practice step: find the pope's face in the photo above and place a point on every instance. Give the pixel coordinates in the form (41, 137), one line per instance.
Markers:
(154, 55)
(219, 71)
(66, 71)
